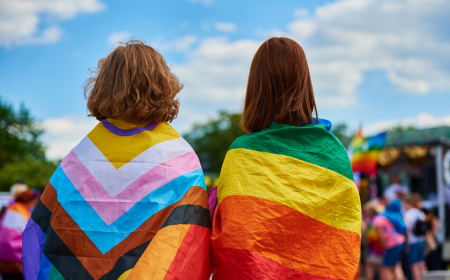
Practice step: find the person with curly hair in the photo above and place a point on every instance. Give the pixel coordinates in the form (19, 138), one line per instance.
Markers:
(129, 201)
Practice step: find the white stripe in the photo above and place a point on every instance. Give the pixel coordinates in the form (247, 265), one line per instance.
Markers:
(14, 220)
(115, 180)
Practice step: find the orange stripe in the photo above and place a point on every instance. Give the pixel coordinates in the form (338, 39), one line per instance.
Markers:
(285, 235)
(20, 208)
(159, 255)
(193, 259)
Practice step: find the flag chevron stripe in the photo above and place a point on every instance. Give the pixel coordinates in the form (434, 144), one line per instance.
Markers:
(98, 264)
(119, 150)
(155, 262)
(193, 246)
(116, 180)
(106, 237)
(198, 216)
(319, 147)
(305, 185)
(126, 262)
(110, 209)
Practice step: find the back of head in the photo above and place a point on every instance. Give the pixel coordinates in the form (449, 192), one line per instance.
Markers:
(279, 86)
(133, 83)
(26, 197)
(17, 189)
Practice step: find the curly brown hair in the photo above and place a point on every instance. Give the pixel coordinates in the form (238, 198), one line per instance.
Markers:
(133, 83)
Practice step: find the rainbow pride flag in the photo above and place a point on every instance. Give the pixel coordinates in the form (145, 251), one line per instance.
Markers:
(287, 207)
(366, 152)
(128, 202)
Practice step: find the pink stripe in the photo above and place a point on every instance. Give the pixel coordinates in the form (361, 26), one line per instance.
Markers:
(10, 245)
(110, 209)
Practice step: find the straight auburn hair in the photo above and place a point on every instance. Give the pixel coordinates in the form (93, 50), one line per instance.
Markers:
(279, 87)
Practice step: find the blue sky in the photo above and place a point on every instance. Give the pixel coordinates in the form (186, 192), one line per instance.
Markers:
(373, 62)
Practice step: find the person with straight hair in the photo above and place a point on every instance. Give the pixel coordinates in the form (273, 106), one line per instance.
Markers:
(287, 205)
(129, 201)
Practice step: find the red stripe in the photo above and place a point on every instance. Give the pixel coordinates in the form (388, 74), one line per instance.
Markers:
(193, 259)
(243, 264)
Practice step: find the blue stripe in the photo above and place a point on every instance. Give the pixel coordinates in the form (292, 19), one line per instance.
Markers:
(44, 268)
(377, 141)
(106, 237)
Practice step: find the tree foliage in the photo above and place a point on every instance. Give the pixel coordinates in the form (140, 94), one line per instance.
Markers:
(212, 139)
(22, 155)
(342, 132)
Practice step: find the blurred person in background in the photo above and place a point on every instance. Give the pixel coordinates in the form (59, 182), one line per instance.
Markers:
(396, 190)
(417, 229)
(432, 250)
(391, 228)
(375, 251)
(12, 223)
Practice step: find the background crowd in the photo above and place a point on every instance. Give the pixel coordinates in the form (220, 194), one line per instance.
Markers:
(399, 235)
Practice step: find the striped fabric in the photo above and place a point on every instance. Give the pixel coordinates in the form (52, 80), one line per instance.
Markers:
(365, 153)
(12, 224)
(128, 202)
(287, 207)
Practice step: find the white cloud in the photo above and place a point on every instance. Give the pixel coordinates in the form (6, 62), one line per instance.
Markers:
(422, 120)
(118, 37)
(63, 133)
(20, 20)
(217, 70)
(301, 12)
(225, 26)
(206, 2)
(407, 39)
(182, 44)
(342, 41)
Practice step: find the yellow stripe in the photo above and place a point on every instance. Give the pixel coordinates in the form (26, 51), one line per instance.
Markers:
(125, 275)
(370, 155)
(160, 253)
(119, 150)
(315, 191)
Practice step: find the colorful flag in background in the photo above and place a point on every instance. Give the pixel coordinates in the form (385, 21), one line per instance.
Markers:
(364, 153)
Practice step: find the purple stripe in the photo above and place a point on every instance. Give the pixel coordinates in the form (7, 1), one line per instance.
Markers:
(128, 132)
(32, 241)
(212, 200)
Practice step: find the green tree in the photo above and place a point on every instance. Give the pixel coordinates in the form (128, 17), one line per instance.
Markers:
(212, 139)
(22, 155)
(401, 128)
(341, 131)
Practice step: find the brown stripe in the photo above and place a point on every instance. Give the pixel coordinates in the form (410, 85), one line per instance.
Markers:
(79, 243)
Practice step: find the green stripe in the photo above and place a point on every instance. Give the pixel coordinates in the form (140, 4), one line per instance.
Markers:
(54, 274)
(310, 143)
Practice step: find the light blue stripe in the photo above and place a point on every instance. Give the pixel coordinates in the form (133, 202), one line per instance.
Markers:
(106, 237)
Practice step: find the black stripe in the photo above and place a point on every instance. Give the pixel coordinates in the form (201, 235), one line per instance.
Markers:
(126, 262)
(190, 215)
(63, 259)
(183, 214)
(70, 267)
(42, 215)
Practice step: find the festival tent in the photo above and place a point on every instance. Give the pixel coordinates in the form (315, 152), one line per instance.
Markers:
(423, 157)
